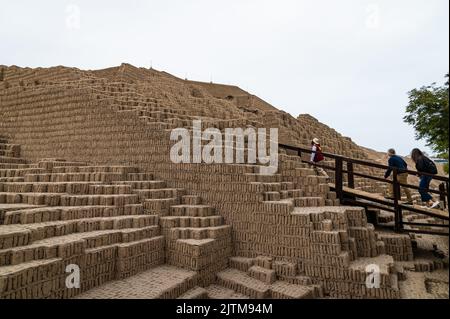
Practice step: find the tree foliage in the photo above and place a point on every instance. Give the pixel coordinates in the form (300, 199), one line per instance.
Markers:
(427, 112)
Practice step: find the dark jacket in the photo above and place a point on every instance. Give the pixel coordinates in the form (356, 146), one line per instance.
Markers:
(425, 165)
(397, 162)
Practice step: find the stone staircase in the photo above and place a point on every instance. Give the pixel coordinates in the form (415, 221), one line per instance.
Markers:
(57, 213)
(262, 278)
(196, 238)
(111, 221)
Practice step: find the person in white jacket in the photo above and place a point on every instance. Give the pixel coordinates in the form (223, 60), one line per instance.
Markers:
(317, 156)
(316, 150)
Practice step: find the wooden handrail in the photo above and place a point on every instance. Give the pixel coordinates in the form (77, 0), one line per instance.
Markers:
(380, 179)
(397, 207)
(363, 162)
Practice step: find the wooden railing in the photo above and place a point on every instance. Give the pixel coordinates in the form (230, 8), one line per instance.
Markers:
(346, 165)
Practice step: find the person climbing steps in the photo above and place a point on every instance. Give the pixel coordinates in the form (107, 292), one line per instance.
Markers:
(396, 161)
(425, 165)
(317, 157)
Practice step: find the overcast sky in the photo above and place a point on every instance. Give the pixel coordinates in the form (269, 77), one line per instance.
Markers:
(348, 63)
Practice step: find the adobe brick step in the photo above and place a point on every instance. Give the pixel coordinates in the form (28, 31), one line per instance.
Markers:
(74, 244)
(47, 187)
(101, 200)
(303, 165)
(12, 150)
(161, 282)
(193, 247)
(267, 187)
(276, 178)
(139, 177)
(13, 166)
(195, 293)
(160, 206)
(144, 194)
(8, 153)
(191, 222)
(74, 177)
(332, 195)
(55, 213)
(21, 235)
(263, 262)
(149, 252)
(309, 202)
(191, 200)
(50, 164)
(130, 258)
(282, 207)
(110, 189)
(192, 210)
(293, 193)
(143, 184)
(8, 146)
(199, 232)
(12, 160)
(314, 179)
(242, 283)
(201, 255)
(65, 169)
(297, 280)
(14, 236)
(285, 290)
(109, 169)
(272, 196)
(11, 179)
(48, 199)
(32, 274)
(63, 161)
(263, 274)
(168, 120)
(241, 263)
(286, 186)
(304, 172)
(158, 126)
(57, 199)
(5, 208)
(220, 292)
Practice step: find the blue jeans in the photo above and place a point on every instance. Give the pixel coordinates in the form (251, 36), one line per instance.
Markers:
(423, 186)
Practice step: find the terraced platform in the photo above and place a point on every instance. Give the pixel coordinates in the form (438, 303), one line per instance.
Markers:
(86, 179)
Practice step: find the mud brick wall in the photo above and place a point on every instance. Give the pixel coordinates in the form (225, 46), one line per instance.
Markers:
(79, 124)
(33, 283)
(78, 147)
(398, 246)
(138, 256)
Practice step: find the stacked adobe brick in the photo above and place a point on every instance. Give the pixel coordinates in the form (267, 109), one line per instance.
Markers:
(125, 119)
(54, 214)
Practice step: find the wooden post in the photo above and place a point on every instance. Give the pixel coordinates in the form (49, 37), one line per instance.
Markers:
(446, 187)
(397, 198)
(338, 178)
(442, 196)
(350, 176)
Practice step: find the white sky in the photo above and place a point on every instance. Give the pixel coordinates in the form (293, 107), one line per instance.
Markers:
(349, 63)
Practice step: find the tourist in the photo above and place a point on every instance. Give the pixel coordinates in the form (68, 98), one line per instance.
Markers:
(425, 165)
(396, 161)
(316, 155)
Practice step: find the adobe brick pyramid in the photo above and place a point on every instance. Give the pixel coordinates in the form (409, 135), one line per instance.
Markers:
(86, 180)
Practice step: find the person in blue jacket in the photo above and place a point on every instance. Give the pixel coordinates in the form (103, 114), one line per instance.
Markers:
(398, 162)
